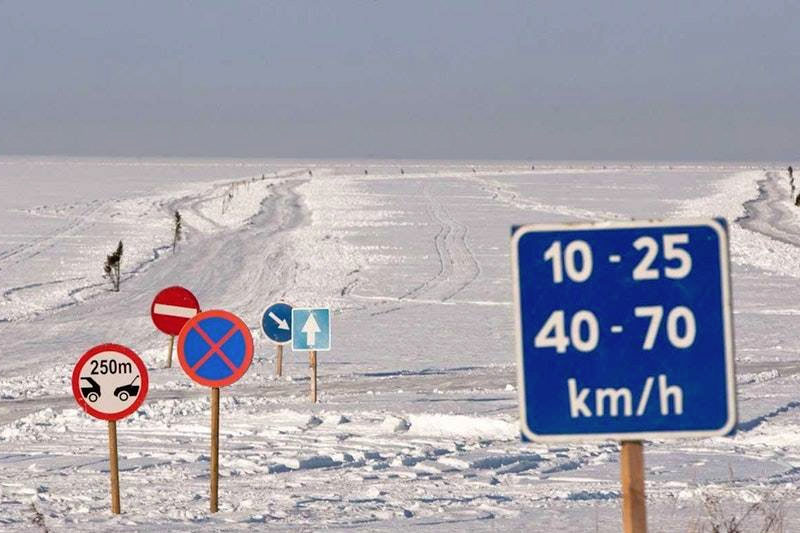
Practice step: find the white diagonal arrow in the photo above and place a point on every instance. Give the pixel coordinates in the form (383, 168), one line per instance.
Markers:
(282, 324)
(311, 328)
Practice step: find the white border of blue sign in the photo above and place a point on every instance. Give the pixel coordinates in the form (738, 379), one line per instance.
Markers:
(730, 371)
(329, 330)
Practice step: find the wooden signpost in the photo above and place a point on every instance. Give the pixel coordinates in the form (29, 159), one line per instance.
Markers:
(313, 364)
(113, 461)
(279, 360)
(214, 496)
(215, 349)
(169, 354)
(634, 509)
(110, 382)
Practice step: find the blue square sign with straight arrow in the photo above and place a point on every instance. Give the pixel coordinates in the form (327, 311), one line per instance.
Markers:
(311, 329)
(624, 330)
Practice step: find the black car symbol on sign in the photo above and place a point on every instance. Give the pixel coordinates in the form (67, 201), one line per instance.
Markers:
(126, 391)
(92, 392)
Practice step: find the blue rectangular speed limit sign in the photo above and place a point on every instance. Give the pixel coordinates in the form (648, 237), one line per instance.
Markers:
(624, 330)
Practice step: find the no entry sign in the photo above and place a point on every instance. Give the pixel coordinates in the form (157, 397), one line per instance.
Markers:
(215, 348)
(172, 308)
(624, 330)
(110, 382)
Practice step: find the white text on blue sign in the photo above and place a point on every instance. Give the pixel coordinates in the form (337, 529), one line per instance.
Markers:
(624, 329)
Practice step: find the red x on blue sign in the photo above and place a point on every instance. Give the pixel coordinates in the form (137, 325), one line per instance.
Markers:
(215, 348)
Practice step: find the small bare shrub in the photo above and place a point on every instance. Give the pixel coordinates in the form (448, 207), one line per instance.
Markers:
(763, 516)
(176, 230)
(111, 268)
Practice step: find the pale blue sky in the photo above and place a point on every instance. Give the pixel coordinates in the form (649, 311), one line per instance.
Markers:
(420, 79)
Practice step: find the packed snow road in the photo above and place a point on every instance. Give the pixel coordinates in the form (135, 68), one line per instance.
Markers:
(416, 425)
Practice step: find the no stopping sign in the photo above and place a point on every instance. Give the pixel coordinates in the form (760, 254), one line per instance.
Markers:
(215, 348)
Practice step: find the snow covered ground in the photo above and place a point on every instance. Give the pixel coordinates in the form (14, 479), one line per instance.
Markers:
(416, 424)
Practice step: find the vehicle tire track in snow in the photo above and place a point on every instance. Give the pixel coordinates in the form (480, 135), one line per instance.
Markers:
(82, 293)
(458, 265)
(771, 213)
(194, 207)
(192, 203)
(504, 193)
(35, 247)
(757, 421)
(463, 265)
(439, 245)
(9, 294)
(764, 227)
(271, 441)
(464, 380)
(256, 254)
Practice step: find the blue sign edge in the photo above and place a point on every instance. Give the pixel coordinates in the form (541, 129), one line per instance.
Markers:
(720, 226)
(330, 336)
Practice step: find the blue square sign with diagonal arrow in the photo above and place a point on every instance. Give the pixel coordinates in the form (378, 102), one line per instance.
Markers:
(311, 329)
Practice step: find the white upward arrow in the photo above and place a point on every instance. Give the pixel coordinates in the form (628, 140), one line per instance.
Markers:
(282, 324)
(311, 328)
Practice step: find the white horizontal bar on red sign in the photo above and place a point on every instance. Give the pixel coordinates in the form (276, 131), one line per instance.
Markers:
(174, 310)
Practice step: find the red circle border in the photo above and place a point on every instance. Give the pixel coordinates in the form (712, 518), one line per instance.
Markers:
(130, 354)
(155, 298)
(248, 344)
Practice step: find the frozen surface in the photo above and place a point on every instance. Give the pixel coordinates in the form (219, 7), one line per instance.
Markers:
(416, 425)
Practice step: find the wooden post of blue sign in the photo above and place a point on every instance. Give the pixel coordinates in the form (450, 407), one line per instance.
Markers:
(214, 448)
(634, 510)
(313, 365)
(279, 360)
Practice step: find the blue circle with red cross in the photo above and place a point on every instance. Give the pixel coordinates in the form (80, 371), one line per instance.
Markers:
(215, 348)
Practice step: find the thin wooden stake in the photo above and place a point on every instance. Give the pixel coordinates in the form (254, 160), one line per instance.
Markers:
(169, 355)
(634, 510)
(279, 360)
(214, 448)
(313, 365)
(114, 466)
